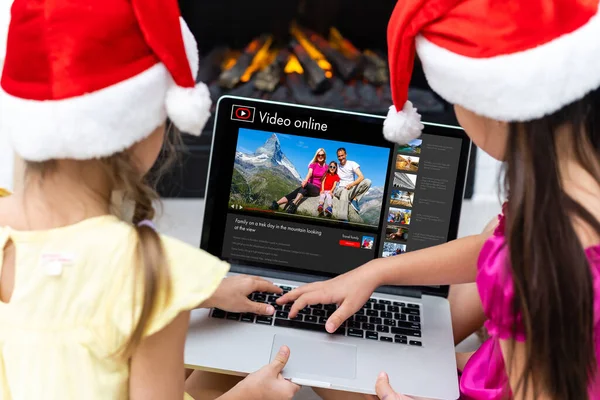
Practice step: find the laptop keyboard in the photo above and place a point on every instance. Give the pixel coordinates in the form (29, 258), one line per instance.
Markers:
(381, 320)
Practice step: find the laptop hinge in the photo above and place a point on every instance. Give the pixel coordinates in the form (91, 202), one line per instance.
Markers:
(407, 291)
(269, 273)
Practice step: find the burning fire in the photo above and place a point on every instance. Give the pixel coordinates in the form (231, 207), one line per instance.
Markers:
(261, 59)
(341, 44)
(293, 66)
(229, 60)
(312, 50)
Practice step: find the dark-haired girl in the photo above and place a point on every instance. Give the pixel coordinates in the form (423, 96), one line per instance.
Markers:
(526, 90)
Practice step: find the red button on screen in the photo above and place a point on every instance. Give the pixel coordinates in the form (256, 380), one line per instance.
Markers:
(348, 243)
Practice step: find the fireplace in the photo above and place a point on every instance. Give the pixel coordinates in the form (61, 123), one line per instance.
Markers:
(320, 53)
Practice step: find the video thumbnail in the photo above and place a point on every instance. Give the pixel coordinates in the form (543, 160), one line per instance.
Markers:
(407, 163)
(413, 147)
(393, 249)
(407, 181)
(283, 173)
(399, 216)
(367, 242)
(402, 198)
(396, 233)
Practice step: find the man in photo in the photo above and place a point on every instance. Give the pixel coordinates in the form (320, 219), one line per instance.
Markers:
(352, 186)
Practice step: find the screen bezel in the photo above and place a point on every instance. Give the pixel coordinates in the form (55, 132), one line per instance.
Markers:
(213, 229)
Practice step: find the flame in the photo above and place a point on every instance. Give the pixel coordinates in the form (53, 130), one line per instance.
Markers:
(370, 53)
(335, 37)
(260, 60)
(229, 60)
(341, 44)
(252, 46)
(270, 58)
(310, 49)
(293, 66)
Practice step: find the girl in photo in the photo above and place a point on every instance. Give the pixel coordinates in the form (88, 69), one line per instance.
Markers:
(94, 302)
(328, 186)
(539, 290)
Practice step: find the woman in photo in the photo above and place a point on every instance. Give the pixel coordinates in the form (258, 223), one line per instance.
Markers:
(310, 187)
(330, 182)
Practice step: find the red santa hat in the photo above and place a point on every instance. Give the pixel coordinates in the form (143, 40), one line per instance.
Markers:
(4, 21)
(507, 60)
(87, 79)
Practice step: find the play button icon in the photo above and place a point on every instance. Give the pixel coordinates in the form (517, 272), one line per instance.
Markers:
(242, 113)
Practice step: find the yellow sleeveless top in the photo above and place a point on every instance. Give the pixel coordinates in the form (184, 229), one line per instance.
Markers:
(72, 307)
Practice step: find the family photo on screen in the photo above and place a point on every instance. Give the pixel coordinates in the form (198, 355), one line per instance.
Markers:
(308, 177)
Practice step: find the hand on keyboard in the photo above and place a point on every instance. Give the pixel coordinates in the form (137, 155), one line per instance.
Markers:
(350, 290)
(383, 320)
(234, 291)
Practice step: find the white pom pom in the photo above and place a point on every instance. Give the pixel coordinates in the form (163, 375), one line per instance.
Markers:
(189, 108)
(402, 126)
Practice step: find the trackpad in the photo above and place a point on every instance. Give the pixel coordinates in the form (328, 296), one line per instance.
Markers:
(316, 357)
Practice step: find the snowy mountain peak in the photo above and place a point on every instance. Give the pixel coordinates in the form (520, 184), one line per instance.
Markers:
(269, 155)
(271, 148)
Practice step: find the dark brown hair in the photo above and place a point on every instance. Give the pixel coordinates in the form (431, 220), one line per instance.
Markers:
(550, 271)
(151, 267)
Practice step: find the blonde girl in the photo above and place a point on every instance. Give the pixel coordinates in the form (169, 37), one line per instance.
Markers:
(94, 303)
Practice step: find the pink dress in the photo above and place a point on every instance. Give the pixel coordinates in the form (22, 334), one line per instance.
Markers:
(484, 376)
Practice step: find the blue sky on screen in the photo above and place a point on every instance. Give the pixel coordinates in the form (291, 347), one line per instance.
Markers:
(300, 150)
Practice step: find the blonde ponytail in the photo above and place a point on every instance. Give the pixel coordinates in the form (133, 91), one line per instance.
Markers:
(151, 263)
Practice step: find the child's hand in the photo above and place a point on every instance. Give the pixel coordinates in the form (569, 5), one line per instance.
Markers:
(267, 383)
(385, 391)
(232, 295)
(350, 290)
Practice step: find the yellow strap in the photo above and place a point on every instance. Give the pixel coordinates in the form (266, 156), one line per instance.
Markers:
(4, 235)
(187, 397)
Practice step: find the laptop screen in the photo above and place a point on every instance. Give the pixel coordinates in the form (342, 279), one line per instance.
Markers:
(322, 192)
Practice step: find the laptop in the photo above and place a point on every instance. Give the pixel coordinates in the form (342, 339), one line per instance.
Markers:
(409, 198)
